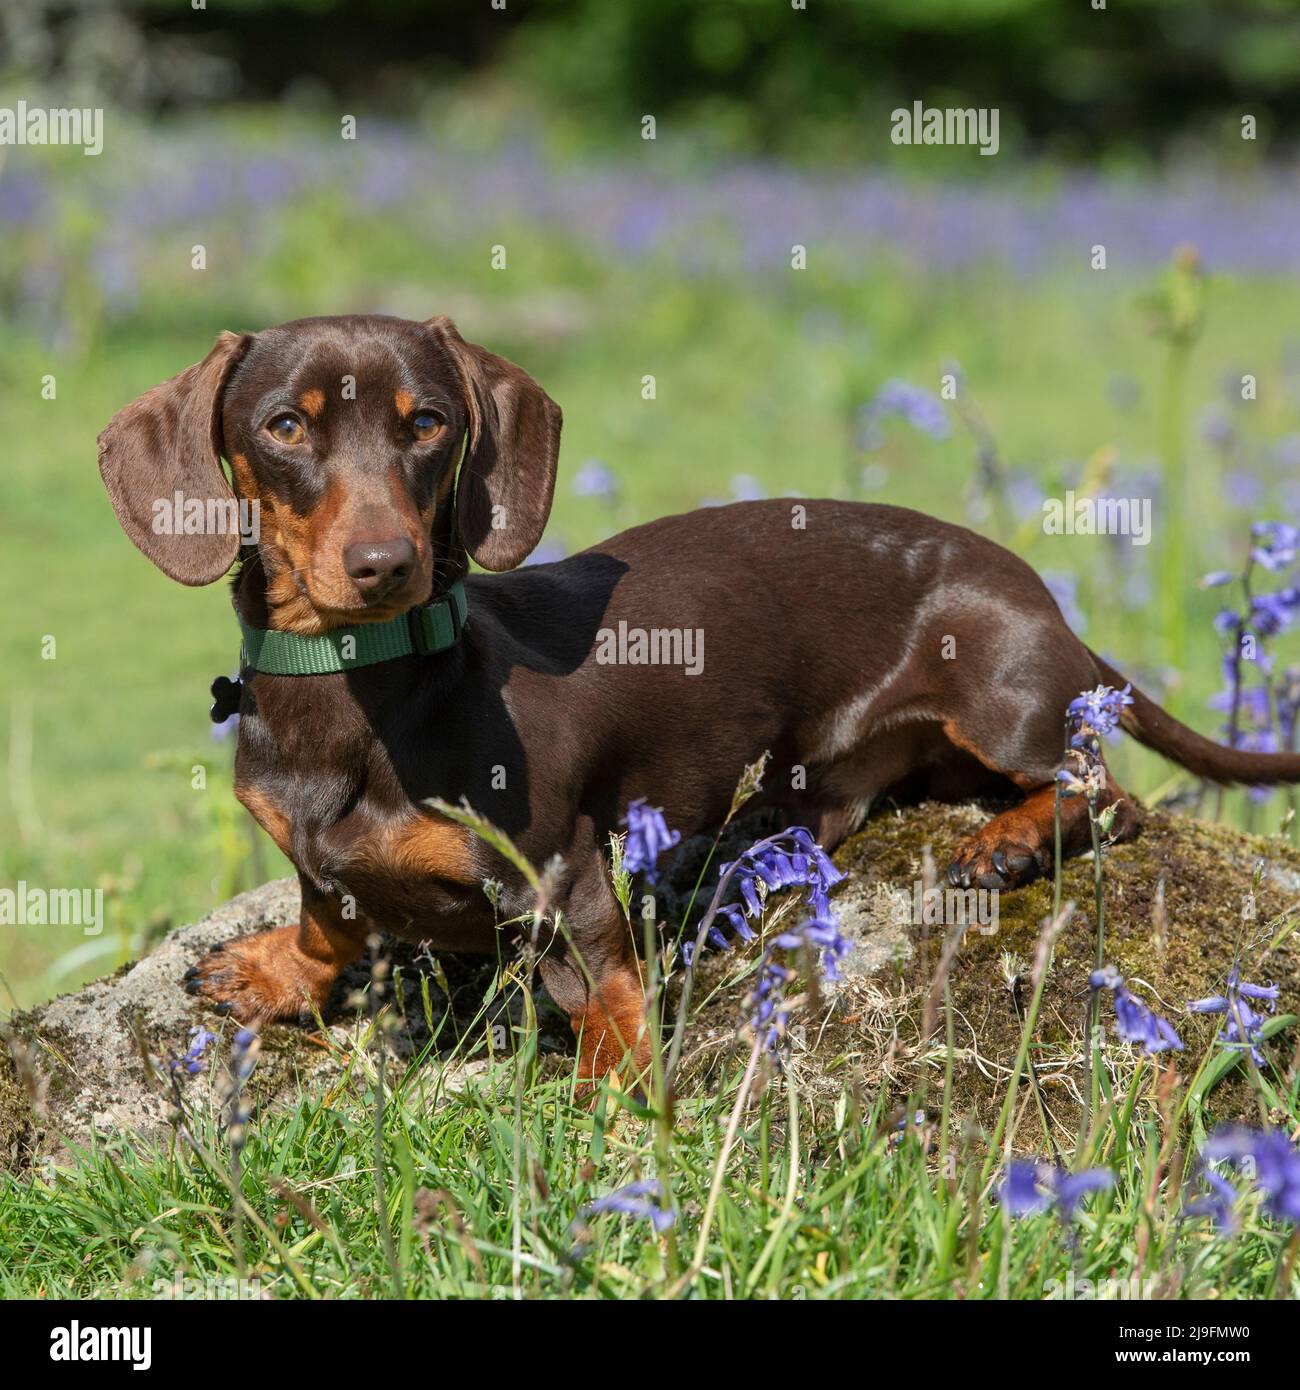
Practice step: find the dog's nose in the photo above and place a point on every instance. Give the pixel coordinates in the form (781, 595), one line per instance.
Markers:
(377, 566)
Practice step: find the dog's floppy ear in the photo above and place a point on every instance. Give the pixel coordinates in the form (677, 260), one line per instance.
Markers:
(503, 496)
(166, 442)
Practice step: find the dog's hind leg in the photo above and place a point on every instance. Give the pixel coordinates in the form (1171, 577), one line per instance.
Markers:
(1019, 845)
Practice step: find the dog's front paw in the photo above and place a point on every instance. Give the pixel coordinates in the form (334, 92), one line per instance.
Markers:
(985, 862)
(261, 978)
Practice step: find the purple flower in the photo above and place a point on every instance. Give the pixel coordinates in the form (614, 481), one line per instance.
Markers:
(1100, 709)
(595, 479)
(243, 1055)
(1064, 588)
(1020, 1192)
(647, 837)
(547, 553)
(642, 1201)
(221, 732)
(1218, 1203)
(769, 1013)
(792, 859)
(921, 409)
(1243, 489)
(1242, 1028)
(1288, 705)
(192, 1062)
(1134, 1022)
(1274, 544)
(1271, 1160)
(1032, 1186)
(1216, 427)
(1274, 613)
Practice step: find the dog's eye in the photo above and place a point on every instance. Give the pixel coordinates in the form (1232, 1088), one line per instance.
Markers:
(425, 425)
(286, 429)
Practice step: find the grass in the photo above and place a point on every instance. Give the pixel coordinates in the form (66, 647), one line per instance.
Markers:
(486, 1189)
(406, 1178)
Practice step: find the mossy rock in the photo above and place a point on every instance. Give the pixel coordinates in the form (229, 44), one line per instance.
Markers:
(1181, 902)
(82, 1072)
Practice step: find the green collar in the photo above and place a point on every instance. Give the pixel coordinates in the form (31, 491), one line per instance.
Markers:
(433, 627)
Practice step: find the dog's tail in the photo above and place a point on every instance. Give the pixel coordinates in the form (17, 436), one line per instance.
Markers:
(1154, 727)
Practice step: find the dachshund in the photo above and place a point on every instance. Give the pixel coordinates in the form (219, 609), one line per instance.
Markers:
(872, 650)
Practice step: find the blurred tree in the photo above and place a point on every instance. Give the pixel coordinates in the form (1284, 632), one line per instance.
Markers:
(1136, 77)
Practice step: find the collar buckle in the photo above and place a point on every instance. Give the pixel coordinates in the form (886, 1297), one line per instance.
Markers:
(419, 622)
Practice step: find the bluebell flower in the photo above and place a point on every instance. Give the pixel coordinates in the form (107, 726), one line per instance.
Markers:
(1271, 1159)
(769, 1014)
(792, 859)
(647, 837)
(192, 1062)
(1274, 545)
(1064, 588)
(642, 1201)
(1025, 495)
(1134, 1022)
(1217, 1201)
(547, 553)
(1243, 489)
(1242, 1026)
(1031, 1186)
(1274, 613)
(244, 1051)
(1287, 695)
(921, 409)
(1100, 709)
(596, 479)
(1216, 427)
(1021, 1192)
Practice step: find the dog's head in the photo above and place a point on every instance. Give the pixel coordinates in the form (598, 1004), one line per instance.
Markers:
(343, 437)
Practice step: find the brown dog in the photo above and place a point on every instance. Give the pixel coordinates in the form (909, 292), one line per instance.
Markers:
(873, 650)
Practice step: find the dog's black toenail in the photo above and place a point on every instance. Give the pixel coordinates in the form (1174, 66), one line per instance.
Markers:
(1000, 863)
(224, 1007)
(954, 873)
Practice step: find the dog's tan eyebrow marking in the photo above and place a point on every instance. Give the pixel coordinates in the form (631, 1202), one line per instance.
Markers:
(404, 401)
(243, 474)
(312, 402)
